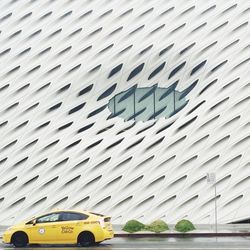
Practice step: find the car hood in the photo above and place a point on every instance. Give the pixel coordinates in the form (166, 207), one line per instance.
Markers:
(17, 226)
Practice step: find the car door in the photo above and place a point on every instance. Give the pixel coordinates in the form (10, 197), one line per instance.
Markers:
(70, 225)
(45, 230)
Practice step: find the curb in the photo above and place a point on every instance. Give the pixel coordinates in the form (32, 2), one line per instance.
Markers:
(180, 235)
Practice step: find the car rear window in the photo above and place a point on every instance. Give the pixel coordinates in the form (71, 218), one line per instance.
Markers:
(72, 216)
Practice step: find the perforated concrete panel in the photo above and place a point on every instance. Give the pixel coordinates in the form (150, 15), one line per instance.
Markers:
(63, 61)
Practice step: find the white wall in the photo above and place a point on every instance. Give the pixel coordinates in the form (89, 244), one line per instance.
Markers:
(47, 45)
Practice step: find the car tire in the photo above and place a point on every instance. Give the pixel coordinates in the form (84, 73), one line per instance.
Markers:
(20, 239)
(86, 239)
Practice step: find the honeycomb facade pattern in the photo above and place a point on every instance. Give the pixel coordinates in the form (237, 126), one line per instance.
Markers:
(61, 64)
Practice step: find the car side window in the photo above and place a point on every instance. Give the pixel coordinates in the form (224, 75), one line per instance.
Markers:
(48, 218)
(67, 216)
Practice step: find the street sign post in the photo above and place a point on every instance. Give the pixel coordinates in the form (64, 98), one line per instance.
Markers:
(211, 179)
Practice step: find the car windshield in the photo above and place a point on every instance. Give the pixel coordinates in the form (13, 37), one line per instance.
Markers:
(30, 220)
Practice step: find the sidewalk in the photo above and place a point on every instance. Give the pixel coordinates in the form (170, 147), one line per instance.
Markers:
(225, 230)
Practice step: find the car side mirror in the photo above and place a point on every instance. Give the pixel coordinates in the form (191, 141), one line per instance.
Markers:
(34, 222)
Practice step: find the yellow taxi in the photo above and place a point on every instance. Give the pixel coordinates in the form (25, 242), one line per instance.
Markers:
(61, 227)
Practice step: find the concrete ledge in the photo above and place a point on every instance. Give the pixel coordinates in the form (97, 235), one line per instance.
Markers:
(179, 235)
(202, 230)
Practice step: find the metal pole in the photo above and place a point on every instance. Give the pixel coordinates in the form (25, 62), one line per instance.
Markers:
(215, 206)
(114, 106)
(174, 99)
(154, 103)
(134, 105)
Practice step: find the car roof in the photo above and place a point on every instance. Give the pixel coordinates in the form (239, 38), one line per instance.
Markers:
(77, 211)
(69, 211)
(74, 211)
(56, 210)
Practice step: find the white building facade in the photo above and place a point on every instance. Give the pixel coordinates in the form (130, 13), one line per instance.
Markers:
(62, 144)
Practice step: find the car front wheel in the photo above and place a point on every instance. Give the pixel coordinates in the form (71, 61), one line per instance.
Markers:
(19, 239)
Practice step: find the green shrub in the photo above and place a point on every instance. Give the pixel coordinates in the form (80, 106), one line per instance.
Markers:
(133, 226)
(184, 226)
(157, 226)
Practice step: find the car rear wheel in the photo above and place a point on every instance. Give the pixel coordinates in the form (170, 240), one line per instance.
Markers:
(86, 239)
(19, 239)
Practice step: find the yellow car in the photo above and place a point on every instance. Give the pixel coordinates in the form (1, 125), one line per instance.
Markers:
(61, 227)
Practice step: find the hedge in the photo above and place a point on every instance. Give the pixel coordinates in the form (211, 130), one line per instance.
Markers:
(133, 226)
(157, 226)
(184, 226)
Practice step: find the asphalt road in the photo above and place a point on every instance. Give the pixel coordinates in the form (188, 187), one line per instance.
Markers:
(232, 243)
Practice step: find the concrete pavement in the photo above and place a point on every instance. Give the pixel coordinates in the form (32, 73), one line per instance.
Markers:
(170, 242)
(229, 243)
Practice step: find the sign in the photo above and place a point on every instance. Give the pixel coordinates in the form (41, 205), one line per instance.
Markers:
(211, 178)
(41, 230)
(67, 229)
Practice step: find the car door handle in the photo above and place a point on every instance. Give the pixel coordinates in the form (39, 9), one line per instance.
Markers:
(53, 226)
